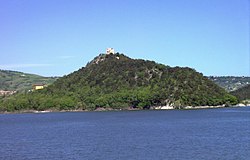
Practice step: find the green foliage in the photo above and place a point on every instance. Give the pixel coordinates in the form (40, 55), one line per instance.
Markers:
(22, 82)
(242, 93)
(118, 82)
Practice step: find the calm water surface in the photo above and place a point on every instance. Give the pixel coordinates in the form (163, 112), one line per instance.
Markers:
(206, 134)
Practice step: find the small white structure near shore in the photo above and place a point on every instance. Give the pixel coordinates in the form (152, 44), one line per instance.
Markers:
(243, 105)
(164, 107)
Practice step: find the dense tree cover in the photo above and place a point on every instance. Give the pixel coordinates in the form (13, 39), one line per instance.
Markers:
(242, 93)
(118, 82)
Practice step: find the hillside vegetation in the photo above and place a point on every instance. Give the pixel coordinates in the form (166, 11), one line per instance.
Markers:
(230, 83)
(117, 82)
(19, 81)
(242, 93)
(22, 82)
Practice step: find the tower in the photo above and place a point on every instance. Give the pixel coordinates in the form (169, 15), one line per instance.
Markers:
(110, 51)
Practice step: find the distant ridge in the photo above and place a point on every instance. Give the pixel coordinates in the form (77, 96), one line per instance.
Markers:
(230, 83)
(242, 93)
(21, 82)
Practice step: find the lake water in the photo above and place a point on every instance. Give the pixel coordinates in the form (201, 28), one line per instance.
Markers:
(208, 134)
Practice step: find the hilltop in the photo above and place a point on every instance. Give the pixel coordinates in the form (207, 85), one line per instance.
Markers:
(21, 82)
(115, 81)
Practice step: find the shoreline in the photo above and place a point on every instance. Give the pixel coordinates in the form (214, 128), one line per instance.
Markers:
(100, 109)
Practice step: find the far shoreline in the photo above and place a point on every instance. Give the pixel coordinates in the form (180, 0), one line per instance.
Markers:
(101, 109)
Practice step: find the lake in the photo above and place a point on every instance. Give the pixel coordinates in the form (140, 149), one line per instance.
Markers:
(206, 134)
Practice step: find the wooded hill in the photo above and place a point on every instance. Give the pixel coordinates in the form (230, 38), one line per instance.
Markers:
(116, 81)
(22, 82)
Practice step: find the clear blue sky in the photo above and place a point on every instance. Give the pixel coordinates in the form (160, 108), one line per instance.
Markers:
(57, 37)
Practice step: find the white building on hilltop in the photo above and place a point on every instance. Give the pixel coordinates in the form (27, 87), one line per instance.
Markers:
(110, 51)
